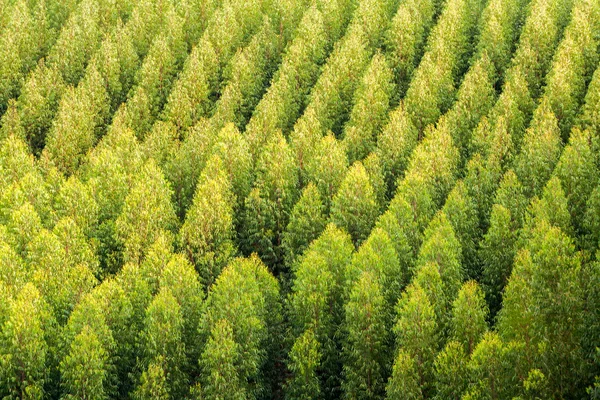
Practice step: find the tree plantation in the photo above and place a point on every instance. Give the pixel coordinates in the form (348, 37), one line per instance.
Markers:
(299, 199)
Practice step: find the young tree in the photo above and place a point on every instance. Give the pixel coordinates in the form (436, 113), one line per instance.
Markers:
(354, 207)
(578, 174)
(377, 255)
(405, 382)
(288, 94)
(76, 128)
(305, 359)
(544, 305)
(443, 248)
(395, 144)
(364, 349)
(11, 124)
(496, 253)
(589, 117)
(307, 221)
(432, 89)
(474, 100)
(373, 166)
(247, 296)
(417, 333)
(469, 314)
(371, 104)
(268, 206)
(542, 146)
(235, 154)
(501, 21)
(461, 212)
(326, 166)
(436, 160)
(76, 201)
(153, 383)
(552, 207)
(180, 278)
(38, 103)
(162, 342)
(317, 299)
(25, 352)
(405, 39)
(220, 361)
(429, 279)
(207, 233)
(331, 97)
(572, 66)
(83, 370)
(540, 35)
(451, 374)
(492, 370)
(147, 210)
(246, 77)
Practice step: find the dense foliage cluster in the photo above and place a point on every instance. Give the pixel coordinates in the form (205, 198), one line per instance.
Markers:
(299, 199)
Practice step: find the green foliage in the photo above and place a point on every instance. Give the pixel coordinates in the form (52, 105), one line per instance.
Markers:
(307, 221)
(541, 150)
(246, 77)
(492, 370)
(81, 114)
(207, 233)
(497, 252)
(287, 95)
(435, 160)
(417, 333)
(578, 173)
(247, 296)
(162, 344)
(589, 117)
(469, 314)
(432, 89)
(354, 207)
(573, 64)
(153, 384)
(24, 357)
(326, 166)
(539, 36)
(392, 170)
(371, 105)
(406, 36)
(305, 357)
(405, 382)
(501, 21)
(220, 361)
(268, 206)
(395, 143)
(377, 256)
(443, 248)
(543, 287)
(365, 357)
(461, 212)
(147, 210)
(84, 369)
(451, 373)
